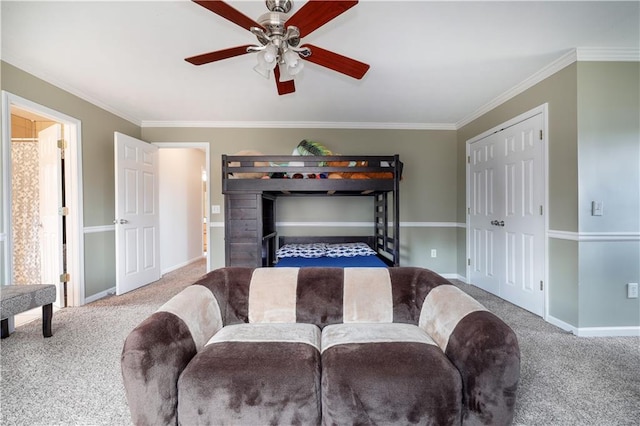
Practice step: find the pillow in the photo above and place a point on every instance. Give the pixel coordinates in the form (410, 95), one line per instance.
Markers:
(311, 250)
(349, 250)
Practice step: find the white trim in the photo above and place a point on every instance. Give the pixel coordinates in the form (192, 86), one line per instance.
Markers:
(561, 324)
(74, 190)
(102, 294)
(620, 331)
(555, 66)
(455, 277)
(594, 236)
(216, 224)
(574, 55)
(43, 75)
(368, 224)
(607, 54)
(96, 229)
(631, 331)
(299, 125)
(181, 265)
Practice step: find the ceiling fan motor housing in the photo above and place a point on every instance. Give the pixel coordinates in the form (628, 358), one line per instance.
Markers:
(283, 6)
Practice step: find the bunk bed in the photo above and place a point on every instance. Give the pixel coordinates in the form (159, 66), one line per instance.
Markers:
(251, 184)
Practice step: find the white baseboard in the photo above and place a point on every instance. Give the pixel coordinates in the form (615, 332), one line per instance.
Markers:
(608, 332)
(100, 295)
(623, 331)
(181, 265)
(455, 277)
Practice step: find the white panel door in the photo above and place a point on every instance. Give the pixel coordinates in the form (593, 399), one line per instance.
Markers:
(507, 214)
(486, 202)
(50, 174)
(523, 215)
(137, 219)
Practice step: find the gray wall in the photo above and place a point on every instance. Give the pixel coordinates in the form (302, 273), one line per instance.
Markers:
(98, 126)
(594, 154)
(427, 191)
(609, 171)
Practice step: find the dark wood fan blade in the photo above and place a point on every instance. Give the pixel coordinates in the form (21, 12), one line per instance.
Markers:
(336, 62)
(218, 55)
(223, 9)
(316, 13)
(284, 87)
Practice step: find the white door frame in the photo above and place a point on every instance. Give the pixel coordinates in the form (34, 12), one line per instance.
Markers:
(544, 110)
(73, 189)
(204, 146)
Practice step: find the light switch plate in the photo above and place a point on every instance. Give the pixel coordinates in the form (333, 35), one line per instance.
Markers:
(597, 208)
(215, 209)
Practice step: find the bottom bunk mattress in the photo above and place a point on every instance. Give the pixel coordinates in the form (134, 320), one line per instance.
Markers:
(320, 254)
(339, 262)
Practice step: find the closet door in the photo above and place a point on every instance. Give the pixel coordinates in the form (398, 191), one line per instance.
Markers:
(507, 214)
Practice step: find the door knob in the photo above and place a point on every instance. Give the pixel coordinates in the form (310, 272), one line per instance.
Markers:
(501, 223)
(121, 221)
(494, 222)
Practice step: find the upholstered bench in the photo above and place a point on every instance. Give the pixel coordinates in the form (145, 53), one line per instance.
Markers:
(16, 299)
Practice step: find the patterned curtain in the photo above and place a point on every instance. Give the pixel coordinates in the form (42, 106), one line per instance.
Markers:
(25, 210)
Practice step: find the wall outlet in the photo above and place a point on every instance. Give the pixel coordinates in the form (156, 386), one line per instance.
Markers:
(434, 253)
(632, 291)
(215, 209)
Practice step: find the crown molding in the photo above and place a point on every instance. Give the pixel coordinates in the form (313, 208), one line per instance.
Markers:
(300, 125)
(47, 78)
(607, 55)
(595, 54)
(555, 66)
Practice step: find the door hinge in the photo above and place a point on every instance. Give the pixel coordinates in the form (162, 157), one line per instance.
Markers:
(541, 210)
(468, 159)
(541, 285)
(63, 211)
(65, 278)
(468, 210)
(469, 261)
(540, 134)
(62, 145)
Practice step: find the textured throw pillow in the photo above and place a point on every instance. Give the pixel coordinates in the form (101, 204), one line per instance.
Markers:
(349, 250)
(311, 250)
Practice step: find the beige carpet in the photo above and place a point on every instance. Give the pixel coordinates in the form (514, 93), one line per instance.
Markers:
(74, 377)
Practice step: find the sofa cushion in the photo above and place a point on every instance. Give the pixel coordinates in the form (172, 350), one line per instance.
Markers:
(254, 374)
(295, 333)
(367, 296)
(444, 307)
(272, 295)
(387, 374)
(341, 334)
(198, 308)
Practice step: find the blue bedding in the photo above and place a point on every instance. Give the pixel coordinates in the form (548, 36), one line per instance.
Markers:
(339, 262)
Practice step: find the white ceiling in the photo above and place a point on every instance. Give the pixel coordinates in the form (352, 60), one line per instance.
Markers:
(433, 64)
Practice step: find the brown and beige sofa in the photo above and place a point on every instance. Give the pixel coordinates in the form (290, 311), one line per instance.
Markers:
(331, 346)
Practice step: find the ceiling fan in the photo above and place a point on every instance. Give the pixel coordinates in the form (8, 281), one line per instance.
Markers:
(279, 35)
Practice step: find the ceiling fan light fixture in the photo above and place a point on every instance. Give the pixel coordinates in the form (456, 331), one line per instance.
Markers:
(293, 62)
(263, 72)
(267, 60)
(284, 73)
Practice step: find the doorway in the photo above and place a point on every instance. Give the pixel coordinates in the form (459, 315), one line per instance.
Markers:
(41, 199)
(184, 175)
(506, 210)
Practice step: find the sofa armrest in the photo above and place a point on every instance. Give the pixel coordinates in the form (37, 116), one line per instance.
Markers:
(482, 347)
(157, 351)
